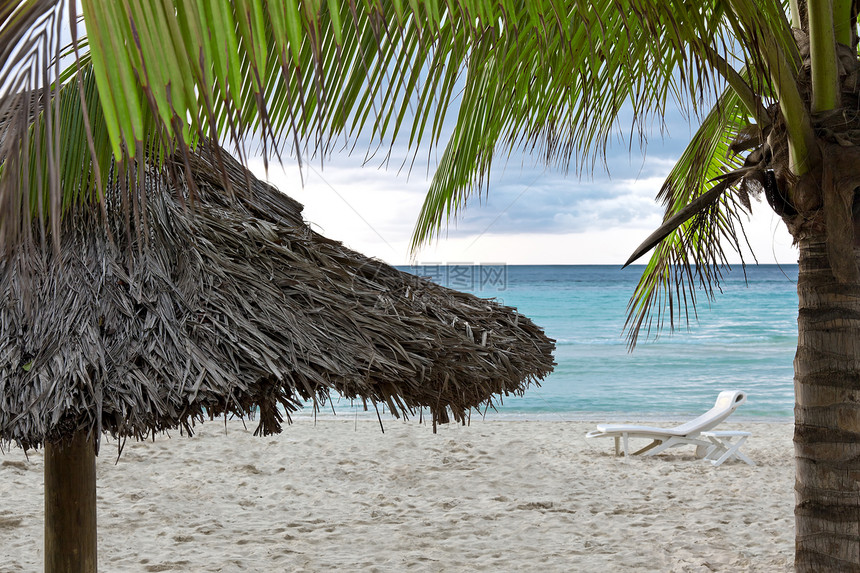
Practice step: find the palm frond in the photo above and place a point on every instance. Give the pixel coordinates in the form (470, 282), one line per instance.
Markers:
(29, 54)
(560, 89)
(539, 76)
(693, 253)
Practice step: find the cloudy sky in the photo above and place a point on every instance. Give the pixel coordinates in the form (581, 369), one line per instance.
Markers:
(532, 215)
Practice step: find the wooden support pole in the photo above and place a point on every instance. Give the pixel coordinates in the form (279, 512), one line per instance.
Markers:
(70, 506)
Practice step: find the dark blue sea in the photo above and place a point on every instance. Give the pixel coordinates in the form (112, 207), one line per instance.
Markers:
(745, 338)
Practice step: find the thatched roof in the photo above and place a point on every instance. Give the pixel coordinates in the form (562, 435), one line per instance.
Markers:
(226, 301)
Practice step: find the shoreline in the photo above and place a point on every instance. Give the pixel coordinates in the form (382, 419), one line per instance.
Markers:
(561, 417)
(496, 495)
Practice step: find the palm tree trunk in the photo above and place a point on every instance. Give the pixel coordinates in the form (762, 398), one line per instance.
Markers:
(70, 506)
(827, 416)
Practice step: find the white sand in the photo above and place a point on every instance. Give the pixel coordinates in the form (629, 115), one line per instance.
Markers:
(495, 496)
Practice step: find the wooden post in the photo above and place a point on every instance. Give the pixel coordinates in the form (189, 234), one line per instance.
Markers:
(70, 506)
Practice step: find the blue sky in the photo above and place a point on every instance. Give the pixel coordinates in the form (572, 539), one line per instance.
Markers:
(532, 215)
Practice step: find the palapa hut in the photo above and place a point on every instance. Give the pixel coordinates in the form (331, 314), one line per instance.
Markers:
(226, 301)
(223, 301)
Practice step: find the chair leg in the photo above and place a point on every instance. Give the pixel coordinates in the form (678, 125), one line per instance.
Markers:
(618, 449)
(647, 448)
(658, 446)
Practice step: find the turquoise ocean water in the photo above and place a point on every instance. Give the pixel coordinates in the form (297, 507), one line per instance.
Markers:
(743, 339)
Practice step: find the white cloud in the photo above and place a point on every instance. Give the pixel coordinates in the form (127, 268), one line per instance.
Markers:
(531, 217)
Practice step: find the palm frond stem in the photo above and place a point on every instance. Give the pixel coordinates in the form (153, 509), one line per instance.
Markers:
(794, 8)
(802, 150)
(822, 53)
(702, 202)
(741, 88)
(843, 24)
(779, 55)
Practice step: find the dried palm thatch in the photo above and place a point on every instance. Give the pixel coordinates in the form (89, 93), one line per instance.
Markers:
(225, 302)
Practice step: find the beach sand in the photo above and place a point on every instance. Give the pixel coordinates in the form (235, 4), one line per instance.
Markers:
(493, 496)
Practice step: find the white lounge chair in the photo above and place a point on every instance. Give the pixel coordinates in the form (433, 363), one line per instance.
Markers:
(663, 438)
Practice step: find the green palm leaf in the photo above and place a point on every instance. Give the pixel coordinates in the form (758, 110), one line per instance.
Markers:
(692, 254)
(545, 77)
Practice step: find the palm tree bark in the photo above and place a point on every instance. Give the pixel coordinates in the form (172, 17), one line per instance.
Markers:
(827, 416)
(70, 506)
